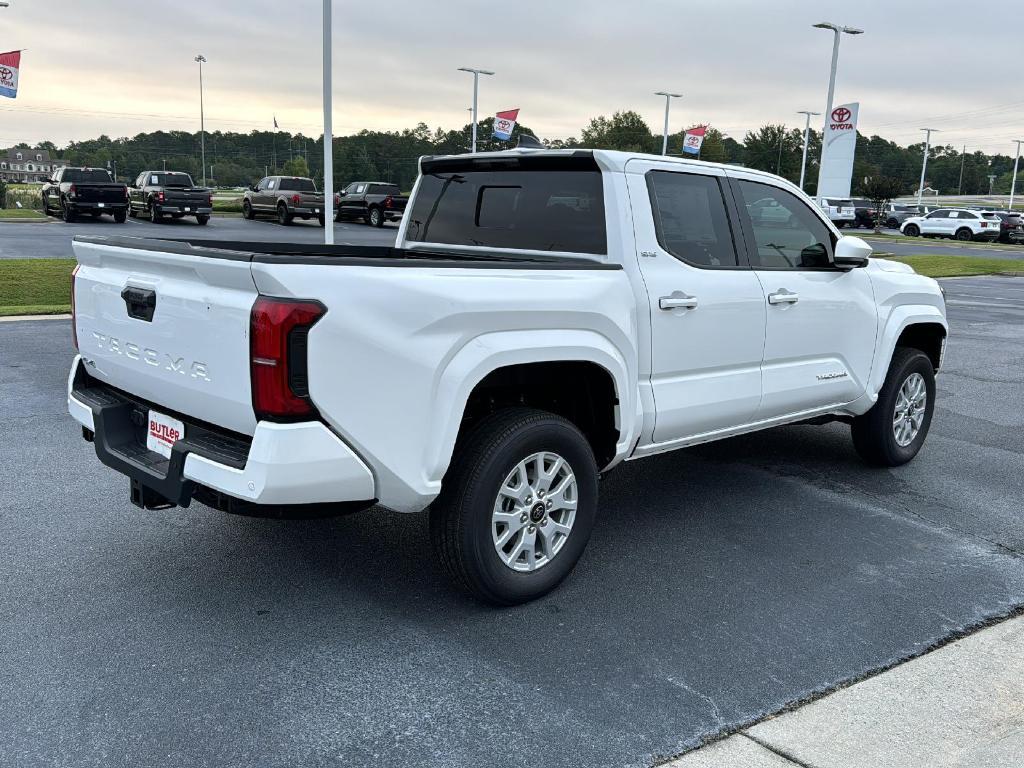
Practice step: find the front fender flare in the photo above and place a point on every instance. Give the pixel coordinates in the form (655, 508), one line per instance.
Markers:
(901, 318)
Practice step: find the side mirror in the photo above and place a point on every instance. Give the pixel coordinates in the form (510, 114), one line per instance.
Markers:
(252, 187)
(852, 252)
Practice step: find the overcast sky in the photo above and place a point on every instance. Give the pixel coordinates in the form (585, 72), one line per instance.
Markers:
(120, 68)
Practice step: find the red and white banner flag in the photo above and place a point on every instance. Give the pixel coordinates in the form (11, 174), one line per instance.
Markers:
(505, 123)
(10, 63)
(693, 139)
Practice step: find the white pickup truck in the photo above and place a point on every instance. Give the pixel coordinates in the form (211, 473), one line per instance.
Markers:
(543, 316)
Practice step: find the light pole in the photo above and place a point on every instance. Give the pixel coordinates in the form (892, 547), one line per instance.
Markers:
(328, 132)
(668, 100)
(837, 31)
(202, 119)
(1016, 163)
(924, 164)
(476, 86)
(807, 133)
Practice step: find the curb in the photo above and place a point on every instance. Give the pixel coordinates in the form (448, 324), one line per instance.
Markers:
(19, 318)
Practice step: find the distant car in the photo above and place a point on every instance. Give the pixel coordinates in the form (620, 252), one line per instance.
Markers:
(894, 214)
(768, 211)
(73, 191)
(287, 198)
(1011, 226)
(959, 224)
(375, 202)
(169, 193)
(839, 209)
(863, 212)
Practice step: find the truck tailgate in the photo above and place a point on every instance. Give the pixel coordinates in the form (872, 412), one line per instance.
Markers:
(168, 326)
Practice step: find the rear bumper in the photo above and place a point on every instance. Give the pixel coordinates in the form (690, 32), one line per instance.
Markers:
(186, 209)
(88, 205)
(284, 464)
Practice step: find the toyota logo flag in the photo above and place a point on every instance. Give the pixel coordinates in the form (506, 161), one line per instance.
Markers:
(505, 123)
(839, 144)
(693, 139)
(9, 65)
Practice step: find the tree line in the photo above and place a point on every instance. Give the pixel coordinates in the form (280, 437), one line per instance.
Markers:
(238, 159)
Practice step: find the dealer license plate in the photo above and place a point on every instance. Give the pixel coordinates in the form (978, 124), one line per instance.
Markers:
(163, 432)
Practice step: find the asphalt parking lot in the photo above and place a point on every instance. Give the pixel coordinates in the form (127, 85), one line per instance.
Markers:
(52, 239)
(721, 584)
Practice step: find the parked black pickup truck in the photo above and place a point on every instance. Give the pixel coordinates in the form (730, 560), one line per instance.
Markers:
(85, 190)
(169, 193)
(372, 201)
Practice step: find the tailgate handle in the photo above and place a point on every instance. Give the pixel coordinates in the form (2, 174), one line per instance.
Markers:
(140, 302)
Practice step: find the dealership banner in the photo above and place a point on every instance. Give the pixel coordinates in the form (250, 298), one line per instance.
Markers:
(505, 123)
(839, 143)
(10, 62)
(693, 139)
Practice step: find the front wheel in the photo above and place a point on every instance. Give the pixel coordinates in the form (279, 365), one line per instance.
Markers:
(247, 211)
(132, 212)
(894, 430)
(911, 230)
(517, 506)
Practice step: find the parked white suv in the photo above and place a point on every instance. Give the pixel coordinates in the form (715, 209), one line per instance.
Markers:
(954, 222)
(840, 211)
(544, 316)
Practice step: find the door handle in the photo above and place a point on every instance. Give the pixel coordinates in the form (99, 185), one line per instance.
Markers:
(678, 301)
(783, 297)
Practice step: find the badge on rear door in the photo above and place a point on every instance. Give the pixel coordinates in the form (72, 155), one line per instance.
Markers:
(162, 433)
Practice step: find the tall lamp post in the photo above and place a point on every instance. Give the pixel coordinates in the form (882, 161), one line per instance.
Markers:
(476, 87)
(200, 59)
(328, 132)
(1016, 163)
(924, 163)
(837, 31)
(668, 100)
(807, 134)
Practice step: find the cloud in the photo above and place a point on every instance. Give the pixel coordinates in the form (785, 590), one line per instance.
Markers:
(101, 66)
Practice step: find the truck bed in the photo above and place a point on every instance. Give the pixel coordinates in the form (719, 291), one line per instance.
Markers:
(355, 255)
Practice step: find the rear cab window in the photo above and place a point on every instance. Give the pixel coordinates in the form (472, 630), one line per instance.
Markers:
(297, 185)
(86, 175)
(525, 203)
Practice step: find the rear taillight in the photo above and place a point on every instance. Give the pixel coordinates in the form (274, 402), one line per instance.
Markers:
(279, 330)
(296, 199)
(159, 197)
(337, 199)
(984, 224)
(72, 191)
(209, 201)
(74, 318)
(388, 201)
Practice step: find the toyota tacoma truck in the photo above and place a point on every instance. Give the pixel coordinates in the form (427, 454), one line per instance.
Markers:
(287, 198)
(169, 193)
(543, 317)
(75, 191)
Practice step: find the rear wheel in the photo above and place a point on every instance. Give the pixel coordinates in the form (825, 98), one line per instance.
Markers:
(154, 213)
(322, 220)
(120, 216)
(67, 211)
(202, 218)
(376, 218)
(283, 217)
(892, 224)
(517, 506)
(911, 230)
(894, 430)
(964, 234)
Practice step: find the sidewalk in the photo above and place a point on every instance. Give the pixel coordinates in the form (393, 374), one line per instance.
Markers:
(961, 705)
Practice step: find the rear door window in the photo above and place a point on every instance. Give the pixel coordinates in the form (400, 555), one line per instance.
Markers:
(690, 218)
(527, 203)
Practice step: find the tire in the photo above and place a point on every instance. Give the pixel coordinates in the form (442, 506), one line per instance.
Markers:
(892, 224)
(132, 212)
(283, 217)
(247, 211)
(154, 214)
(202, 219)
(322, 220)
(120, 216)
(912, 230)
(875, 432)
(67, 212)
(964, 235)
(461, 523)
(375, 218)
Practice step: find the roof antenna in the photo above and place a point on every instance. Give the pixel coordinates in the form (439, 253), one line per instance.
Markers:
(526, 141)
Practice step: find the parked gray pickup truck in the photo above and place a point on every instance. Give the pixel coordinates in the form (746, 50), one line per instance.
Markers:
(285, 197)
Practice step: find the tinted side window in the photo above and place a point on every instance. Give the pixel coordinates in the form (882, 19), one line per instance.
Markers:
(541, 204)
(787, 234)
(690, 218)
